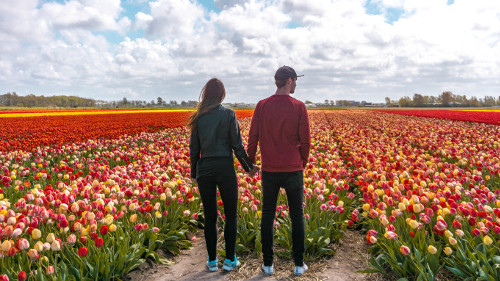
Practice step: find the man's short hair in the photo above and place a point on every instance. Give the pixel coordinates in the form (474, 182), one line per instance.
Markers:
(282, 75)
(280, 83)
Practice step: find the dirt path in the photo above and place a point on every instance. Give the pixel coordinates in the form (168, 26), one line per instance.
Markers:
(351, 254)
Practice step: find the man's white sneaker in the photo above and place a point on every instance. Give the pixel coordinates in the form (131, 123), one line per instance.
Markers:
(299, 270)
(268, 270)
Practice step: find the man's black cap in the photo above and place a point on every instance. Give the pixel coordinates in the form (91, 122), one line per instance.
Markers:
(285, 72)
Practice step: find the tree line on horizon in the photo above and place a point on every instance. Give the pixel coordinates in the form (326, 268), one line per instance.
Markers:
(31, 100)
(446, 99)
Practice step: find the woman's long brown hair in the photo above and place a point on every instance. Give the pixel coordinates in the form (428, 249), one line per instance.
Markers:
(212, 95)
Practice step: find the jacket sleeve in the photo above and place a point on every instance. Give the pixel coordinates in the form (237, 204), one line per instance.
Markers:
(194, 151)
(304, 136)
(237, 143)
(253, 135)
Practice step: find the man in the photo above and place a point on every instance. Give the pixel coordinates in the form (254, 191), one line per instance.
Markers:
(280, 126)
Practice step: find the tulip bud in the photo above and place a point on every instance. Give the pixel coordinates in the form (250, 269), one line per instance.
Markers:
(448, 251)
(487, 240)
(432, 250)
(404, 250)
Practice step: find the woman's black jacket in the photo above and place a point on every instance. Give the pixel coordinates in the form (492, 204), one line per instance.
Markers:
(217, 134)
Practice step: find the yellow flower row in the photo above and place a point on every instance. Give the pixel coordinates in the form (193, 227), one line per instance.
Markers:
(67, 113)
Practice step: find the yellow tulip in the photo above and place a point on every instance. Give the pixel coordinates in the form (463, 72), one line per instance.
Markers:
(487, 240)
(432, 249)
(133, 217)
(108, 220)
(5, 246)
(452, 241)
(448, 251)
(36, 234)
(38, 246)
(51, 237)
(413, 224)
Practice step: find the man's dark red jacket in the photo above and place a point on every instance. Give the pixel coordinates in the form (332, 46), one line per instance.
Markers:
(280, 126)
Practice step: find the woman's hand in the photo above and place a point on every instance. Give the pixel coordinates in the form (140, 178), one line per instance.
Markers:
(254, 171)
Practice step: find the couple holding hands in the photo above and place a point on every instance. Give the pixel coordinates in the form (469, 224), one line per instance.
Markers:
(280, 127)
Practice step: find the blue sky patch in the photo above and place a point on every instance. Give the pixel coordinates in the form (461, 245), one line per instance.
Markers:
(391, 14)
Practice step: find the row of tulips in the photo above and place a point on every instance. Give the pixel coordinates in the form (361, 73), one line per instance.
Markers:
(26, 133)
(479, 116)
(98, 209)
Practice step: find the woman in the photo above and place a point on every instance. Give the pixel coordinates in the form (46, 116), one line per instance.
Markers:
(215, 134)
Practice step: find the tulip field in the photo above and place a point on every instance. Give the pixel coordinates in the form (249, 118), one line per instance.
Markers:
(91, 195)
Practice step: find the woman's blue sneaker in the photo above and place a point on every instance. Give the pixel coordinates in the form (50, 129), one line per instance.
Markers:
(212, 265)
(230, 265)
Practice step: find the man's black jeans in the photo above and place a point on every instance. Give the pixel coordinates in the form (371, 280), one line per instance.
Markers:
(224, 177)
(293, 183)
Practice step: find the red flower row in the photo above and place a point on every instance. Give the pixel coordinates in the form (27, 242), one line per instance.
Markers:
(489, 117)
(25, 133)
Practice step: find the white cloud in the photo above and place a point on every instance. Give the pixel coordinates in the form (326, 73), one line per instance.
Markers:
(174, 18)
(86, 14)
(20, 23)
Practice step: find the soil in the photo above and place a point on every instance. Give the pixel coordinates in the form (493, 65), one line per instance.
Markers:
(351, 255)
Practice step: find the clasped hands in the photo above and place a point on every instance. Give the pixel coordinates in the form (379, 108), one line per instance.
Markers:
(254, 171)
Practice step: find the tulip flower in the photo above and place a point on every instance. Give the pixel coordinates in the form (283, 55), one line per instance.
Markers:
(404, 250)
(104, 229)
(33, 254)
(55, 246)
(50, 270)
(50, 238)
(4, 277)
(99, 242)
(413, 224)
(83, 251)
(133, 218)
(487, 240)
(6, 245)
(21, 276)
(36, 234)
(431, 249)
(441, 225)
(71, 239)
(391, 235)
(22, 244)
(452, 241)
(448, 251)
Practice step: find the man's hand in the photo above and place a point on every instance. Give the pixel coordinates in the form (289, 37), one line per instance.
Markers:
(254, 171)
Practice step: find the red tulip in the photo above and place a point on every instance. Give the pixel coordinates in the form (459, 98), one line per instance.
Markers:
(104, 229)
(21, 276)
(83, 251)
(99, 242)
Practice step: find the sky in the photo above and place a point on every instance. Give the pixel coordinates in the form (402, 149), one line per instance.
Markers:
(362, 50)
